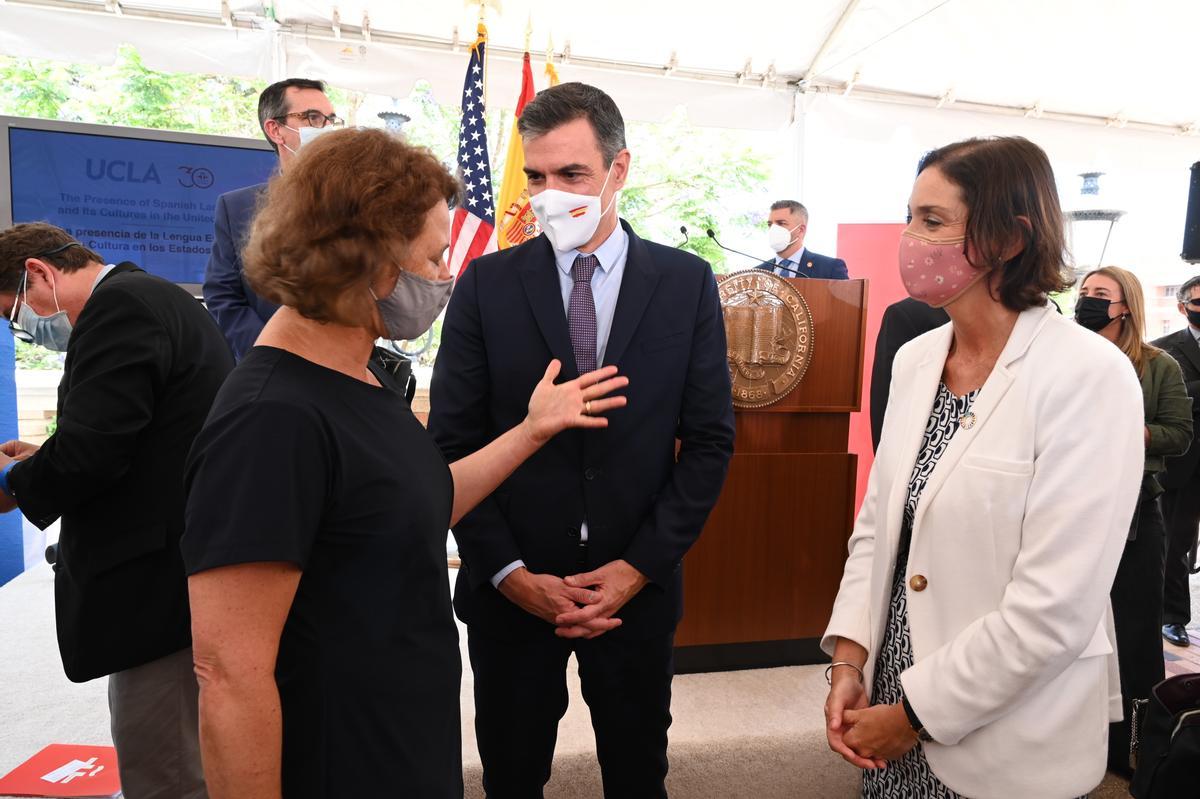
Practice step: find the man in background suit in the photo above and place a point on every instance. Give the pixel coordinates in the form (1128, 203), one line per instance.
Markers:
(786, 227)
(144, 362)
(902, 322)
(1181, 499)
(285, 110)
(599, 519)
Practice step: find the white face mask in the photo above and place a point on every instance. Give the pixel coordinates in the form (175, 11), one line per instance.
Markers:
(779, 237)
(307, 134)
(570, 220)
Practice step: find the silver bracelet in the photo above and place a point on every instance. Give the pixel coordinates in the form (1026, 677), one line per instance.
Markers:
(829, 671)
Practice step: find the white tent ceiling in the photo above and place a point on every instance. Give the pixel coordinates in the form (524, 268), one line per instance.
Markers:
(1127, 62)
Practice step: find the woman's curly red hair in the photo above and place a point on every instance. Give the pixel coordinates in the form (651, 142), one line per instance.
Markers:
(338, 218)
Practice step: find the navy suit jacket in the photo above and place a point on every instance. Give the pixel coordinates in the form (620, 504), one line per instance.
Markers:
(902, 322)
(239, 312)
(642, 502)
(1181, 345)
(812, 264)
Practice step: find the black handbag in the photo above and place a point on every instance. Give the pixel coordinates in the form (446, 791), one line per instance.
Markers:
(1166, 735)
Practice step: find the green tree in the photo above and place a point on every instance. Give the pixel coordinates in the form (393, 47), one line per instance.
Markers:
(32, 88)
(683, 175)
(151, 99)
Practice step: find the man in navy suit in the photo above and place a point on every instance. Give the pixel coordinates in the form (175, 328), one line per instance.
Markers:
(786, 226)
(579, 550)
(1181, 481)
(284, 110)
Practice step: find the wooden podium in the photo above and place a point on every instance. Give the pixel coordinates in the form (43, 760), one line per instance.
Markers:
(759, 584)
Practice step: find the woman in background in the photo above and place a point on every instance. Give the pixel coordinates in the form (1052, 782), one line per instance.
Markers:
(1111, 303)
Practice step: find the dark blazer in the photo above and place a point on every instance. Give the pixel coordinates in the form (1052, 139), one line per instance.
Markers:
(240, 313)
(1181, 346)
(902, 322)
(811, 264)
(143, 365)
(642, 503)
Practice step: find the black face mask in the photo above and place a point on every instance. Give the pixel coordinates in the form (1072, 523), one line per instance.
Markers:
(1193, 318)
(1092, 313)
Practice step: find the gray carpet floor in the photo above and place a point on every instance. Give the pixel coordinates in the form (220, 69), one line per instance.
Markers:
(736, 735)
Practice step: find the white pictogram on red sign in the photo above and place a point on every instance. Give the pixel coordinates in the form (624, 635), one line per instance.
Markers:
(73, 770)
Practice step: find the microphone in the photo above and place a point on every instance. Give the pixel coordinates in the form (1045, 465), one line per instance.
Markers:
(713, 236)
(717, 241)
(683, 230)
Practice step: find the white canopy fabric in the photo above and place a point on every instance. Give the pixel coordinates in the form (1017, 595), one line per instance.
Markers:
(1130, 62)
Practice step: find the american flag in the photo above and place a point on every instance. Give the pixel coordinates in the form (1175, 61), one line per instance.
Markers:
(472, 231)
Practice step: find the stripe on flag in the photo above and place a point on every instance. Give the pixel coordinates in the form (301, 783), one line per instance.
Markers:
(473, 225)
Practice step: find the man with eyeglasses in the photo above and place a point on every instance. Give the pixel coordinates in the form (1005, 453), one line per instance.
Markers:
(289, 113)
(144, 363)
(1181, 499)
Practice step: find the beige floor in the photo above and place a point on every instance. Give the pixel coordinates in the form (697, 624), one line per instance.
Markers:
(736, 735)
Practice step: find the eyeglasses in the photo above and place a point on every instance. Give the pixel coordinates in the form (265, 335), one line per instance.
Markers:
(315, 118)
(19, 333)
(1193, 304)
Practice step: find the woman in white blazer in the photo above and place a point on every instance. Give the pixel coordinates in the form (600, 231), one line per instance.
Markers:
(970, 632)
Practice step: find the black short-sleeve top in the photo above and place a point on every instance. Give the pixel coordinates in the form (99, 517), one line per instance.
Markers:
(304, 464)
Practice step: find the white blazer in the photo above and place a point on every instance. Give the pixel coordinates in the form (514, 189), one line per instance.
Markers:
(1018, 534)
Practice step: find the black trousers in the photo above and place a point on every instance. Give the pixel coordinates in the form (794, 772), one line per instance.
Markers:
(521, 694)
(1137, 616)
(1181, 509)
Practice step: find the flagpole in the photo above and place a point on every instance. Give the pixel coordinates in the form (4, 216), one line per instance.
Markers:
(481, 35)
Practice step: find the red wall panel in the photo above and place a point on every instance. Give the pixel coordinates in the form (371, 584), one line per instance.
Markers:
(870, 252)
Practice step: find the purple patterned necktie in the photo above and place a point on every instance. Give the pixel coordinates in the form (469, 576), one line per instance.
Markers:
(581, 313)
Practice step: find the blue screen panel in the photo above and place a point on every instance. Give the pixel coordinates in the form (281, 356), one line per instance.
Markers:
(150, 202)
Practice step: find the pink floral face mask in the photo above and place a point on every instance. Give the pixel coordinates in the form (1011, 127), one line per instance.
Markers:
(935, 271)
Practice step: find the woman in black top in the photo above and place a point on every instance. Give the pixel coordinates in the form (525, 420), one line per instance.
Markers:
(318, 506)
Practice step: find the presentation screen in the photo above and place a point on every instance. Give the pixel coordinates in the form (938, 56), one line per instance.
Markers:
(130, 195)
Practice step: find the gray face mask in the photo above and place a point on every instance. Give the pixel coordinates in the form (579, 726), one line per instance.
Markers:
(52, 331)
(413, 305)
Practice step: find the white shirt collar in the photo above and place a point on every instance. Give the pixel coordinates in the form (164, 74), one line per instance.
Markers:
(102, 274)
(796, 258)
(607, 253)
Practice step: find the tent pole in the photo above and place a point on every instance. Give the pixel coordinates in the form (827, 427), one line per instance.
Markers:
(847, 12)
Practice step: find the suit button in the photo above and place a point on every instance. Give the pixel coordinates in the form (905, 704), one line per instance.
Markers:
(591, 474)
(918, 582)
(573, 533)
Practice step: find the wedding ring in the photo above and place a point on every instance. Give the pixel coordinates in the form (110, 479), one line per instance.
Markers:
(587, 408)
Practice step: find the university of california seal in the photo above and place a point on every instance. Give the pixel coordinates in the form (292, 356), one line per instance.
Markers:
(769, 330)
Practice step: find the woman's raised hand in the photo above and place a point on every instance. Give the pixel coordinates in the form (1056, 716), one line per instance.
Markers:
(575, 403)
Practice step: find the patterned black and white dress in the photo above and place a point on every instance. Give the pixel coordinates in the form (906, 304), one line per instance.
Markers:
(910, 777)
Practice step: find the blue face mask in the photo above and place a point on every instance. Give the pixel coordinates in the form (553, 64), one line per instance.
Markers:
(52, 331)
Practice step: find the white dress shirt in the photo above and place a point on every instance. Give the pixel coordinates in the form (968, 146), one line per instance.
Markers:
(606, 286)
(791, 262)
(102, 274)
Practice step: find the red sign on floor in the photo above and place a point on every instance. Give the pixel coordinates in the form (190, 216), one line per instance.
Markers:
(65, 770)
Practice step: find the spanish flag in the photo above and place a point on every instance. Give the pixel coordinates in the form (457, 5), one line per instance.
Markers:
(517, 221)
